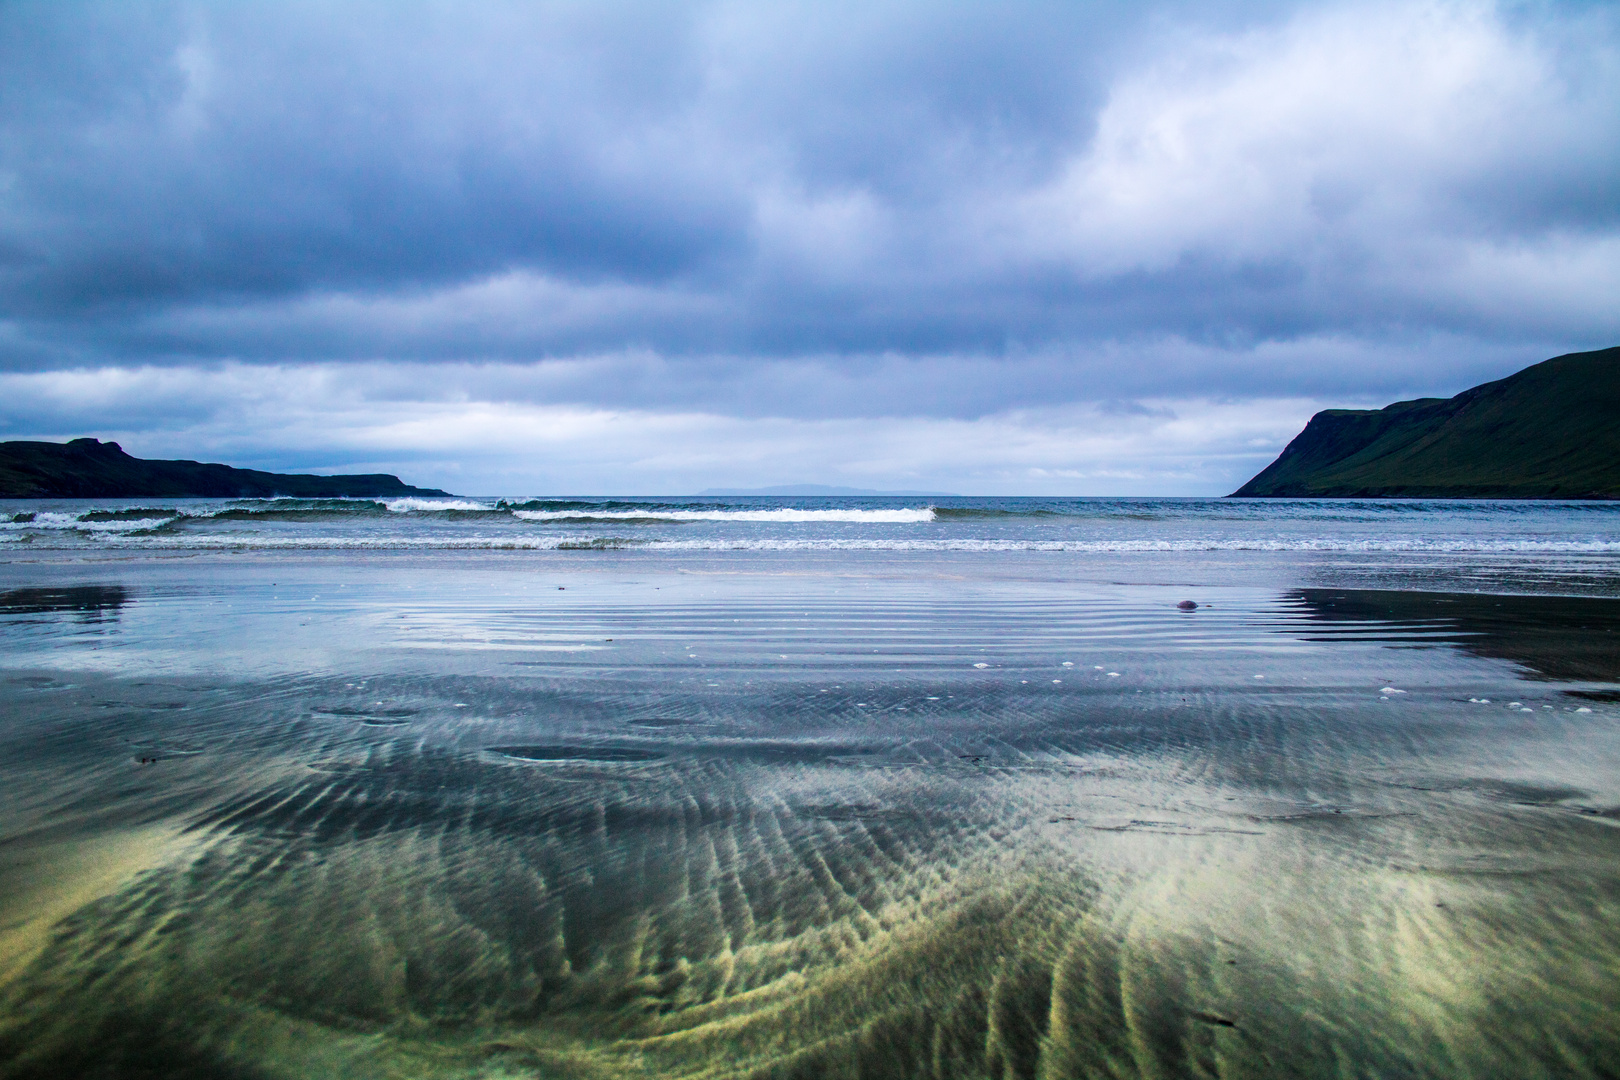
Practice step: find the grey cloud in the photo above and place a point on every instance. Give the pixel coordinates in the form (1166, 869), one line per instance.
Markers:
(243, 151)
(1144, 379)
(813, 209)
(314, 418)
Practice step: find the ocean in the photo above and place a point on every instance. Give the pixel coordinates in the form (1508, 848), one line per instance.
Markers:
(807, 787)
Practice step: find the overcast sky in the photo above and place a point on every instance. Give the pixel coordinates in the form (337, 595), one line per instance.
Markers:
(1002, 248)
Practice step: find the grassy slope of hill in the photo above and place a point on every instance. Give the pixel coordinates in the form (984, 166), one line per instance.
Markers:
(89, 469)
(1552, 431)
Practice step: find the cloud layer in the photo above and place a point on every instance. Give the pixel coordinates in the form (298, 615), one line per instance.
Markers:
(366, 417)
(934, 215)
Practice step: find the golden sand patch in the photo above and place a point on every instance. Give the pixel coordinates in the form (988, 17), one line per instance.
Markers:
(44, 880)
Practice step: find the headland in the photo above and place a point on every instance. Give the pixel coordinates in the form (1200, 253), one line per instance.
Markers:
(91, 469)
(1551, 431)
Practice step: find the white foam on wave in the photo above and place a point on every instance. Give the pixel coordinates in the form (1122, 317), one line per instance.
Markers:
(57, 521)
(784, 515)
(46, 519)
(260, 542)
(410, 503)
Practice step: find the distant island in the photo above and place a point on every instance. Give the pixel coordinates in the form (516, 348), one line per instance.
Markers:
(1552, 431)
(813, 490)
(91, 469)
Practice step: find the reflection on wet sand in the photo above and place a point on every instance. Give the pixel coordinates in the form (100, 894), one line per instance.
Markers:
(506, 876)
(93, 601)
(1554, 637)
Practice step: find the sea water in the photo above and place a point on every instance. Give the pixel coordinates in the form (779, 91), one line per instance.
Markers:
(809, 787)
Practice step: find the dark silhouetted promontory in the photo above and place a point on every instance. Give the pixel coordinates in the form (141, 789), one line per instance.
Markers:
(1550, 432)
(90, 469)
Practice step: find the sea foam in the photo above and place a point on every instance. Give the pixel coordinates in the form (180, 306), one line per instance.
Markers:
(907, 516)
(424, 506)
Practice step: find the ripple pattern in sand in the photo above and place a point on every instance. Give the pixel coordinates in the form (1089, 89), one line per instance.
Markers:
(826, 868)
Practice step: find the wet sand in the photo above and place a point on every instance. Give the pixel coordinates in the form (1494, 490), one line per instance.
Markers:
(888, 818)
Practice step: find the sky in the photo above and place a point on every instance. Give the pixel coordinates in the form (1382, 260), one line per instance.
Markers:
(647, 248)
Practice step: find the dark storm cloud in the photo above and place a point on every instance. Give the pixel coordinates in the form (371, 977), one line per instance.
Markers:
(1098, 200)
(199, 153)
(239, 151)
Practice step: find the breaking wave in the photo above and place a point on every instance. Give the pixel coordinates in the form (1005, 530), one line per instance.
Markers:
(985, 525)
(782, 515)
(415, 505)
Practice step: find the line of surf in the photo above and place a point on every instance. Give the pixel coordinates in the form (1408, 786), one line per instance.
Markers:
(155, 539)
(905, 516)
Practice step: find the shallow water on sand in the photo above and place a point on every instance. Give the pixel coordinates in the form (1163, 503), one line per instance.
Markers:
(879, 814)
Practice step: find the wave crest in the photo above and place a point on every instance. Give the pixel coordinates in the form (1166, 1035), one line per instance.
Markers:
(785, 515)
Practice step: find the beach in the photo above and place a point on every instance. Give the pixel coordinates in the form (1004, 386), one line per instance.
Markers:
(810, 788)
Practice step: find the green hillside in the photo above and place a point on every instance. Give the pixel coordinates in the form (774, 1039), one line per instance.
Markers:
(1552, 431)
(90, 469)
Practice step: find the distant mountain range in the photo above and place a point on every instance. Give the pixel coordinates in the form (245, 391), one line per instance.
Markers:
(91, 469)
(1552, 431)
(812, 489)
